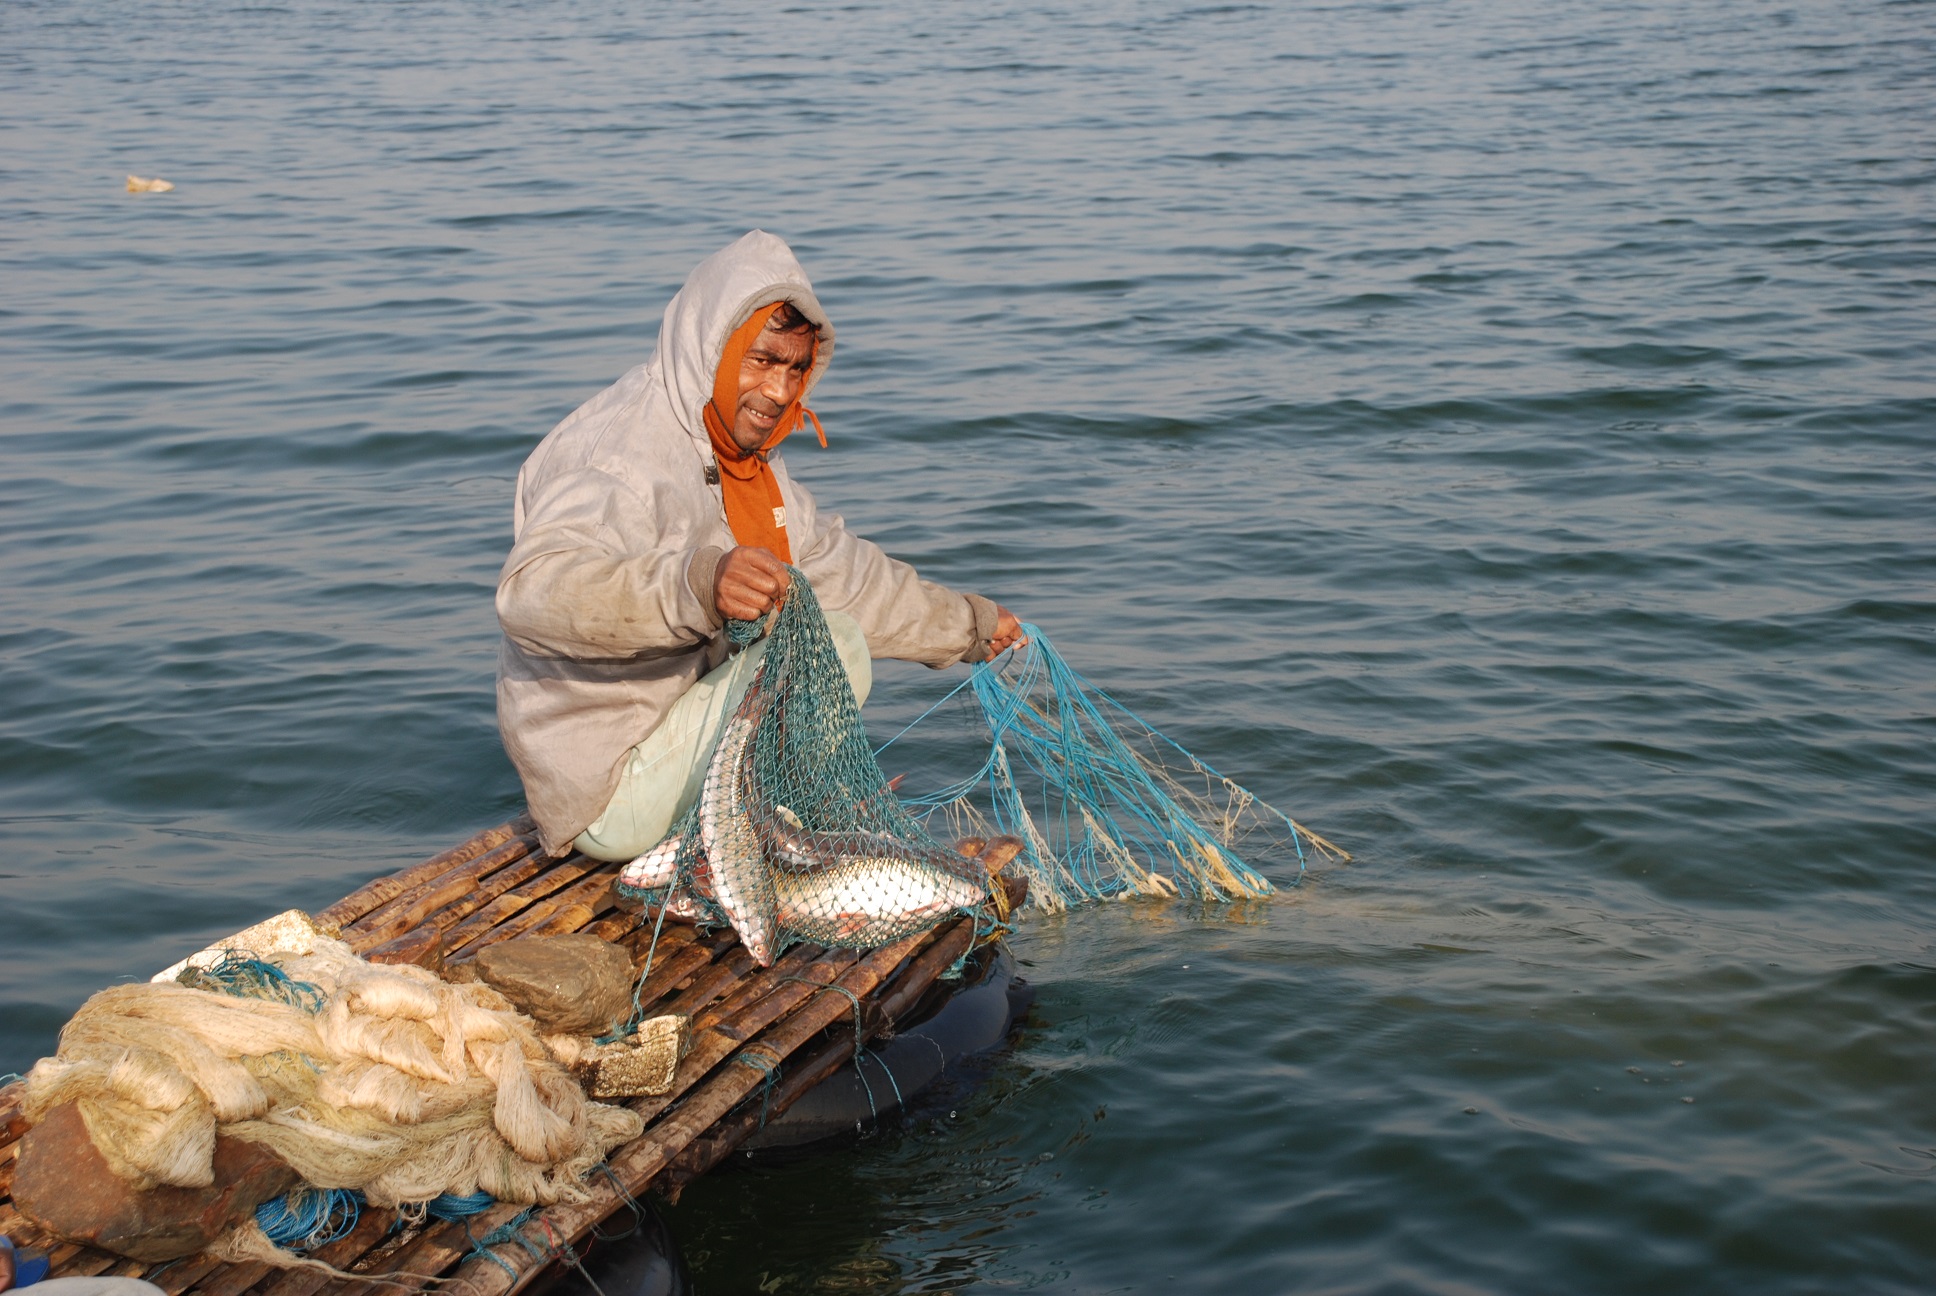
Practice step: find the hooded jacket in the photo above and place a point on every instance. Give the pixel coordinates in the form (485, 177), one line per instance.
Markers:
(606, 598)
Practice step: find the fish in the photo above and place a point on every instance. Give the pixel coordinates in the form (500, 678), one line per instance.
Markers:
(685, 906)
(657, 869)
(742, 883)
(793, 847)
(869, 897)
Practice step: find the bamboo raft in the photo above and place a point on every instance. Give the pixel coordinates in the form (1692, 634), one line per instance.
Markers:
(761, 1038)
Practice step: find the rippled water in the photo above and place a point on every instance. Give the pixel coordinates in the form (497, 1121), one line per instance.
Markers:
(1499, 433)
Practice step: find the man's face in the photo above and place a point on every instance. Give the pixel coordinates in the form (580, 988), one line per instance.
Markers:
(769, 380)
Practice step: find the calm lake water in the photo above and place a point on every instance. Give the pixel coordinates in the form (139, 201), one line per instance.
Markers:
(1502, 434)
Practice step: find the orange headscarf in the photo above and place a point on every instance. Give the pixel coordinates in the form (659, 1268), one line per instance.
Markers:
(754, 509)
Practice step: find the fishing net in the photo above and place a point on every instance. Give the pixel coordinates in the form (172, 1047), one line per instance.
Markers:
(1107, 806)
(385, 1080)
(795, 834)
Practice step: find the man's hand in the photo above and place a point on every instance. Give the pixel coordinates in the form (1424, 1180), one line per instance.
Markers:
(1008, 633)
(748, 583)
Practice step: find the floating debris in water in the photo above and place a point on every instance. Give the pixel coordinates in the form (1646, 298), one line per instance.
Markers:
(139, 184)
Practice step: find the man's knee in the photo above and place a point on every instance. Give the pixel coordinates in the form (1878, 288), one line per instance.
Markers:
(851, 644)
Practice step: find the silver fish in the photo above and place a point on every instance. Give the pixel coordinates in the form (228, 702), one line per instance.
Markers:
(742, 884)
(793, 847)
(870, 898)
(657, 869)
(682, 905)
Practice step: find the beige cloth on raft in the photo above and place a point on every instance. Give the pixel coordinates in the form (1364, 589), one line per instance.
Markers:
(606, 598)
(404, 1086)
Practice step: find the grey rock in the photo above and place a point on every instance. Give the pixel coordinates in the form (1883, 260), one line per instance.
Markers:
(573, 985)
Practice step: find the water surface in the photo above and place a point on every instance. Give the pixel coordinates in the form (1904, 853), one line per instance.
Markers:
(1499, 434)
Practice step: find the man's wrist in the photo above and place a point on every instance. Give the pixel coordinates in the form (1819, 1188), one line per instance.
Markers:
(986, 615)
(702, 578)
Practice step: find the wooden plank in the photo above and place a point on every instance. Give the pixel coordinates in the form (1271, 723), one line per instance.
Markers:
(177, 1276)
(573, 898)
(370, 1229)
(405, 911)
(430, 1253)
(234, 1279)
(906, 987)
(637, 1163)
(376, 891)
(475, 914)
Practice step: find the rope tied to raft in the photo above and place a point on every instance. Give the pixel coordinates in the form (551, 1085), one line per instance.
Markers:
(767, 1063)
(507, 1232)
(873, 1112)
(837, 988)
(631, 1024)
(625, 1195)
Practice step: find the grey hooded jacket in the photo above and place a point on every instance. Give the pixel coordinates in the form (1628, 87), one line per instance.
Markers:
(606, 598)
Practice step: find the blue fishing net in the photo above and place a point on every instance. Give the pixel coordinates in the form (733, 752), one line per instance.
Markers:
(1107, 806)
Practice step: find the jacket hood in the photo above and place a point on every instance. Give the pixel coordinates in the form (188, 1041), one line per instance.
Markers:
(721, 294)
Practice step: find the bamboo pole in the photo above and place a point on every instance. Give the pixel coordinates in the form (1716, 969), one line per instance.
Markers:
(908, 985)
(791, 963)
(635, 1165)
(570, 900)
(377, 890)
(178, 1276)
(234, 1279)
(406, 910)
(669, 972)
(468, 922)
(429, 1253)
(370, 1230)
(712, 1046)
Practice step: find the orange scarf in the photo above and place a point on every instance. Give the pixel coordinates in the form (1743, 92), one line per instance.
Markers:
(754, 509)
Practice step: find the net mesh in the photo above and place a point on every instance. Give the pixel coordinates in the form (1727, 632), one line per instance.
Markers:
(1107, 806)
(795, 834)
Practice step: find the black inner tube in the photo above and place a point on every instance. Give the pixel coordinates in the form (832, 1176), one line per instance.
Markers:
(980, 1016)
(974, 1019)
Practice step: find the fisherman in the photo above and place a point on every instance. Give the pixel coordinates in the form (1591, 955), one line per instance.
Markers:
(652, 514)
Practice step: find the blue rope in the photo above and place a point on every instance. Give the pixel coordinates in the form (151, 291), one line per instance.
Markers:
(306, 1218)
(888, 1071)
(852, 998)
(631, 1025)
(242, 974)
(873, 1113)
(624, 1195)
(451, 1207)
(769, 1067)
(508, 1231)
(923, 716)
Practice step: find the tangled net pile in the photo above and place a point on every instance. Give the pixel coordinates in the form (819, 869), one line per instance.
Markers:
(382, 1079)
(1107, 806)
(796, 835)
